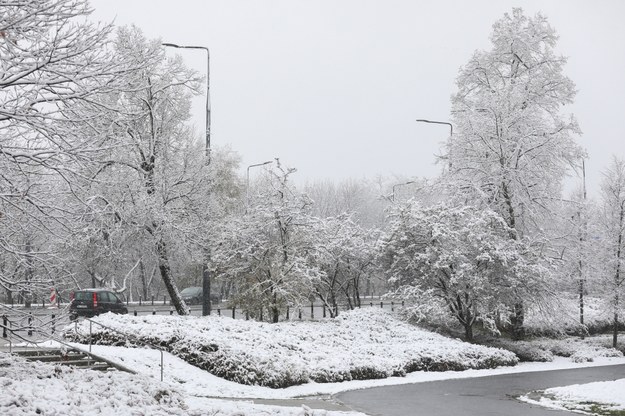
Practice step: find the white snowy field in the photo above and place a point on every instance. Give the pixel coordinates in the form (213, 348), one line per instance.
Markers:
(26, 387)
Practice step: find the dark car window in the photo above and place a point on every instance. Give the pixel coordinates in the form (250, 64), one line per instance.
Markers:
(83, 296)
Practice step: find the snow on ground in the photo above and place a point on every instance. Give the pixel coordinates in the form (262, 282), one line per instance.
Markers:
(26, 387)
(605, 395)
(29, 388)
(357, 345)
(197, 382)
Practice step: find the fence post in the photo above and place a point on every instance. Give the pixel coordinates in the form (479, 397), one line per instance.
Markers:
(261, 314)
(287, 312)
(90, 334)
(218, 311)
(324, 310)
(300, 313)
(53, 321)
(392, 306)
(30, 322)
(152, 300)
(233, 308)
(381, 304)
(5, 323)
(171, 310)
(140, 300)
(312, 310)
(43, 302)
(247, 316)
(135, 312)
(164, 300)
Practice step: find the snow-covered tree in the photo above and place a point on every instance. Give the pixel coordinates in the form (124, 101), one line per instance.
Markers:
(267, 252)
(464, 258)
(50, 59)
(613, 227)
(512, 145)
(152, 188)
(346, 253)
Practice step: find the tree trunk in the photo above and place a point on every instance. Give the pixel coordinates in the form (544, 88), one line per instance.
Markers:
(163, 266)
(518, 318)
(144, 282)
(468, 331)
(615, 326)
(617, 275)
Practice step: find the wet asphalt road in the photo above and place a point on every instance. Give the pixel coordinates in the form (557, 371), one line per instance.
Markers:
(483, 396)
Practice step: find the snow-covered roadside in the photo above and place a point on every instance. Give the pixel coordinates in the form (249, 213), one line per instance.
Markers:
(605, 395)
(28, 388)
(200, 383)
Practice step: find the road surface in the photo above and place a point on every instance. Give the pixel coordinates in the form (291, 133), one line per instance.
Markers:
(484, 396)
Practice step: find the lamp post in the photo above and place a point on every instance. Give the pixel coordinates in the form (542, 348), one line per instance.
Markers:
(451, 132)
(206, 279)
(208, 102)
(247, 187)
(397, 185)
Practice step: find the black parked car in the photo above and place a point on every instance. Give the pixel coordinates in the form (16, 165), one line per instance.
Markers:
(92, 302)
(193, 296)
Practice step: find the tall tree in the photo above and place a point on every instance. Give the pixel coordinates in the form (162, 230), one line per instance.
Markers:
(152, 188)
(512, 146)
(613, 222)
(50, 59)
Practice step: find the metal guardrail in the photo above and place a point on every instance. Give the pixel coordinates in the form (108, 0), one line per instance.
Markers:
(23, 326)
(46, 328)
(135, 339)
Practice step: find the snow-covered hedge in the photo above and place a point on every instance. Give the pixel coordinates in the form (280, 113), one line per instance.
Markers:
(358, 345)
(544, 350)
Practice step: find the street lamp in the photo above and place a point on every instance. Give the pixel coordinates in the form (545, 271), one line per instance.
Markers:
(247, 188)
(208, 102)
(206, 279)
(451, 133)
(397, 185)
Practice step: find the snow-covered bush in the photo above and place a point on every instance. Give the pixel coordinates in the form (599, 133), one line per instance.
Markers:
(544, 350)
(527, 351)
(360, 344)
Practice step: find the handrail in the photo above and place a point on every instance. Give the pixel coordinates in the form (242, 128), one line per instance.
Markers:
(133, 337)
(74, 347)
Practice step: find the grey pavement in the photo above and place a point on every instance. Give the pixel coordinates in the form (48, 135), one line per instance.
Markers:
(484, 396)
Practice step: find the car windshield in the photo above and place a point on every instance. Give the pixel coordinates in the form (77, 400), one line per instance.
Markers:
(191, 291)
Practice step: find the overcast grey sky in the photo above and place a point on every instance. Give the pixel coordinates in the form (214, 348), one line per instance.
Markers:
(333, 87)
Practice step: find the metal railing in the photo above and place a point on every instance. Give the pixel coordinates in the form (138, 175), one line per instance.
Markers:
(135, 340)
(25, 327)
